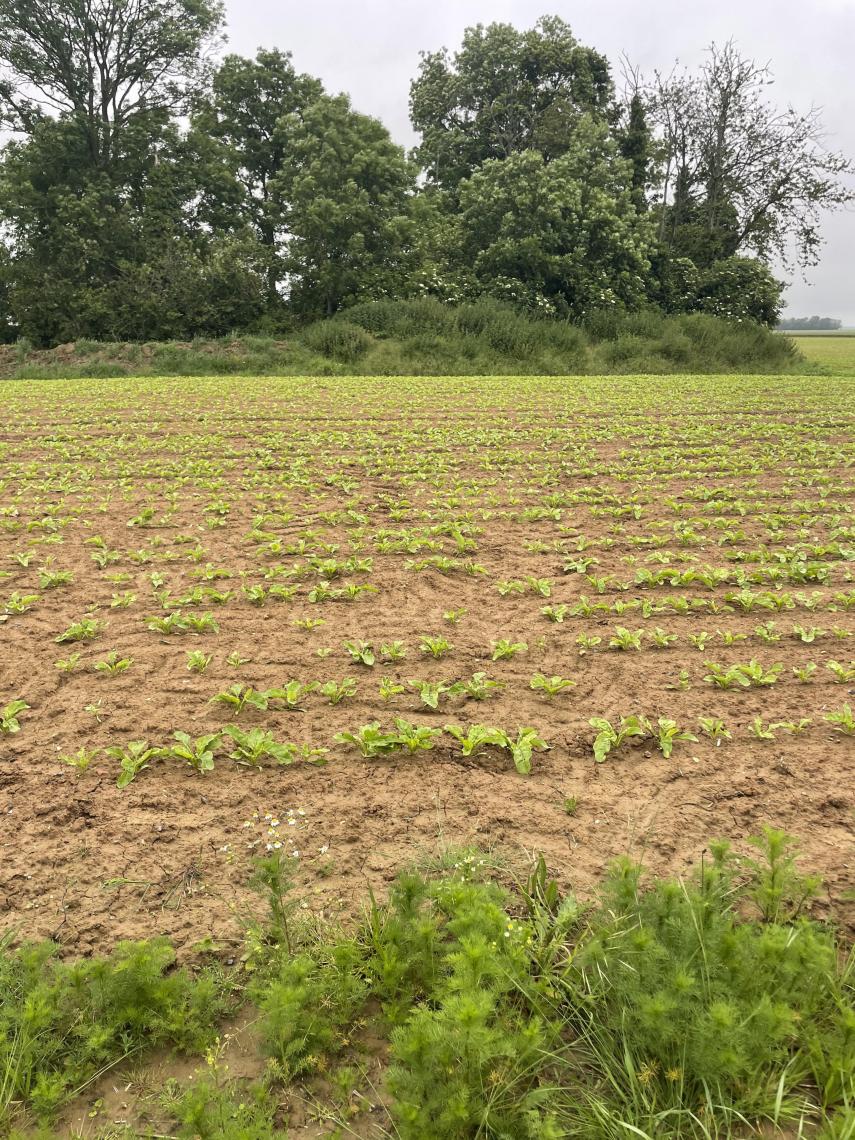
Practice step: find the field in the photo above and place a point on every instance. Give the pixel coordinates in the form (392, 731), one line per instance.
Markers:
(361, 622)
(834, 350)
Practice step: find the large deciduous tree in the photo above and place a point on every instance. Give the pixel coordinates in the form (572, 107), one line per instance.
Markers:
(741, 176)
(505, 91)
(565, 234)
(241, 140)
(101, 63)
(345, 190)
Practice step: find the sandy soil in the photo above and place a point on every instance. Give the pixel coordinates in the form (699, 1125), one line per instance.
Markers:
(88, 863)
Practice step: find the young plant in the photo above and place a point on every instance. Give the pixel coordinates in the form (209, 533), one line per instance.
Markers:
(133, 758)
(338, 691)
(389, 688)
(197, 661)
(9, 714)
(454, 616)
(715, 729)
(505, 649)
(761, 731)
(198, 753)
(256, 744)
(555, 613)
(83, 630)
(528, 741)
(804, 673)
(68, 664)
(237, 697)
(429, 692)
(844, 674)
(625, 639)
(587, 641)
(415, 738)
(113, 663)
(80, 760)
(393, 651)
(842, 720)
(478, 688)
(362, 652)
(668, 733)
(291, 694)
(435, 646)
(609, 737)
(477, 736)
(370, 740)
(550, 686)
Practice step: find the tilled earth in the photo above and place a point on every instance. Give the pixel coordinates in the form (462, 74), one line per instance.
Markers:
(167, 482)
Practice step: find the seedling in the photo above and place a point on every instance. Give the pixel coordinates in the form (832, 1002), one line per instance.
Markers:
(669, 733)
(415, 738)
(609, 737)
(715, 729)
(68, 664)
(256, 744)
(436, 646)
(550, 686)
(362, 652)
(477, 736)
(842, 720)
(555, 613)
(661, 639)
(308, 623)
(804, 673)
(9, 722)
(113, 663)
(133, 758)
(587, 641)
(198, 753)
(84, 630)
(794, 727)
(625, 639)
(235, 660)
(504, 649)
(291, 694)
(761, 731)
(808, 634)
(393, 651)
(844, 674)
(454, 616)
(80, 760)
(197, 661)
(389, 688)
(338, 691)
(237, 697)
(478, 688)
(429, 692)
(370, 740)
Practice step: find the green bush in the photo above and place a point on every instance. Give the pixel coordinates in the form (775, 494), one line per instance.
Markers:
(338, 339)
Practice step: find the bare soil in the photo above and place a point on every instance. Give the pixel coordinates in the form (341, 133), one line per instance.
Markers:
(87, 863)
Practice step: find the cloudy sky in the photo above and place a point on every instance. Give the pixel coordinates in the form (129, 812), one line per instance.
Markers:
(371, 50)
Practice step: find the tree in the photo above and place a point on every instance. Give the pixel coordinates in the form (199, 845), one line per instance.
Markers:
(741, 177)
(241, 145)
(345, 191)
(561, 235)
(101, 63)
(504, 92)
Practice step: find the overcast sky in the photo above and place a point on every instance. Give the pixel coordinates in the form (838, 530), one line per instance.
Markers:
(370, 49)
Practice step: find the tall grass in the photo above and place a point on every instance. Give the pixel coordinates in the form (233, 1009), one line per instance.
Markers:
(424, 337)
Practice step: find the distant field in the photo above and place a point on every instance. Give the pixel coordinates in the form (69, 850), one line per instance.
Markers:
(837, 350)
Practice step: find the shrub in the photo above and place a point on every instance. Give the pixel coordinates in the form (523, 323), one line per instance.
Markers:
(338, 339)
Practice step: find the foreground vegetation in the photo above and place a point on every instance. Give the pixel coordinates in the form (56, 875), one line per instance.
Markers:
(426, 337)
(494, 1007)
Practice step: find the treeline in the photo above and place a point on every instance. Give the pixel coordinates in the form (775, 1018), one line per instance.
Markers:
(147, 193)
(809, 324)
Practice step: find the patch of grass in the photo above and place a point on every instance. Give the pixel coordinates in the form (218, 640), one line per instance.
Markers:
(675, 1008)
(423, 337)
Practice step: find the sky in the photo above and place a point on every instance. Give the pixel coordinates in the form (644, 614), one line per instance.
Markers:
(370, 49)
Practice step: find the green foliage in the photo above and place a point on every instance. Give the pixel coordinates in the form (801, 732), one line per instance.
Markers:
(60, 1023)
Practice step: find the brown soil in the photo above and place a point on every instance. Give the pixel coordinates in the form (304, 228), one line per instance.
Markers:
(87, 863)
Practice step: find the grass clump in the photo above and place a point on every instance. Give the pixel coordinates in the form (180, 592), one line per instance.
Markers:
(423, 337)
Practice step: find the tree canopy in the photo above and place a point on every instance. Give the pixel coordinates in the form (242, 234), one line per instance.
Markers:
(150, 188)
